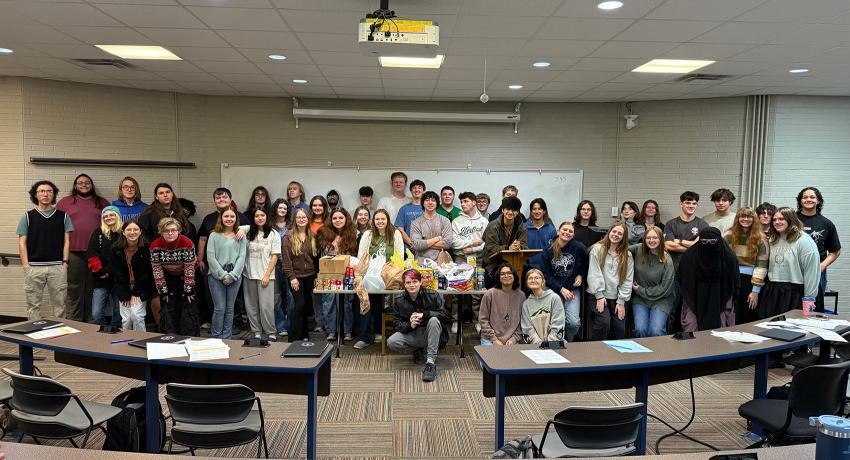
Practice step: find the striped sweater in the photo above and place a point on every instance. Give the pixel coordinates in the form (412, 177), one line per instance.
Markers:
(175, 259)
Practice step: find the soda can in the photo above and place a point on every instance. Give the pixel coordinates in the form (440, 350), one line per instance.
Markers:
(808, 306)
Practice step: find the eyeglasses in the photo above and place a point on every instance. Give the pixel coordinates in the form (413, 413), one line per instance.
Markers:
(709, 241)
(83, 183)
(44, 192)
(127, 187)
(534, 278)
(506, 274)
(170, 230)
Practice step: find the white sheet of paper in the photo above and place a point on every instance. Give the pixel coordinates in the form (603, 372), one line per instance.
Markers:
(742, 337)
(825, 334)
(52, 332)
(165, 350)
(545, 357)
(205, 350)
(819, 323)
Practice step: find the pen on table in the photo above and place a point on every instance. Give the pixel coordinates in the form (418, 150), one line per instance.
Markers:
(121, 341)
(250, 356)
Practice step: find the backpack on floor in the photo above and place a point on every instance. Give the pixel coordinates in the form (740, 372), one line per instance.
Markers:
(126, 431)
(517, 448)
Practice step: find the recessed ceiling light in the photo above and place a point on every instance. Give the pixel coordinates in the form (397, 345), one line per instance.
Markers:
(541, 64)
(798, 70)
(671, 66)
(608, 6)
(299, 82)
(6, 51)
(277, 57)
(514, 86)
(140, 52)
(412, 62)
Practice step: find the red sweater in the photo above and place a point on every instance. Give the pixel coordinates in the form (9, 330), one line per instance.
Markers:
(176, 259)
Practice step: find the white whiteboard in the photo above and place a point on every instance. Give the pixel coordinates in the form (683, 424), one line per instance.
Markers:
(560, 188)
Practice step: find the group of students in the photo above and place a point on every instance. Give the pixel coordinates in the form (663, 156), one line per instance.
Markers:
(714, 271)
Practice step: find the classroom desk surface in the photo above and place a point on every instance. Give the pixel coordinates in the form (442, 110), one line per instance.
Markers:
(265, 373)
(507, 372)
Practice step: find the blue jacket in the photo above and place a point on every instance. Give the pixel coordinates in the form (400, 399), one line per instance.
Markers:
(130, 212)
(539, 238)
(562, 273)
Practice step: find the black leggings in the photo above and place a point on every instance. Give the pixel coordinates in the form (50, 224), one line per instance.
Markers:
(177, 314)
(298, 329)
(606, 325)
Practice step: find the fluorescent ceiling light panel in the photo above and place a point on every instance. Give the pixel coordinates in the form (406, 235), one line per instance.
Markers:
(671, 66)
(412, 62)
(6, 51)
(140, 52)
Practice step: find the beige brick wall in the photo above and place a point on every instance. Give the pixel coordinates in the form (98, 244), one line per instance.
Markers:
(13, 189)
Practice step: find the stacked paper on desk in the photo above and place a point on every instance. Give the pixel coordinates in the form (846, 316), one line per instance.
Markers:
(819, 327)
(545, 357)
(165, 350)
(53, 332)
(819, 323)
(205, 350)
(742, 337)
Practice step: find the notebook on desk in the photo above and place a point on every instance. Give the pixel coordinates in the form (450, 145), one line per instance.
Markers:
(167, 338)
(304, 350)
(33, 326)
(782, 334)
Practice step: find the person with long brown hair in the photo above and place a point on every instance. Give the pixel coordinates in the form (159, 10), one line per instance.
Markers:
(653, 294)
(794, 268)
(295, 197)
(165, 204)
(260, 198)
(609, 280)
(133, 275)
(337, 237)
(650, 214)
(299, 252)
(129, 201)
(226, 259)
(565, 267)
(747, 241)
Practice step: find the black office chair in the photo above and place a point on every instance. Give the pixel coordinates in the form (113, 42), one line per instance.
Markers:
(5, 415)
(592, 432)
(839, 352)
(815, 390)
(215, 416)
(46, 409)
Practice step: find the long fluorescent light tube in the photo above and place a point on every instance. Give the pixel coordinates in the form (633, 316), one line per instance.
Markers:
(412, 62)
(671, 66)
(140, 52)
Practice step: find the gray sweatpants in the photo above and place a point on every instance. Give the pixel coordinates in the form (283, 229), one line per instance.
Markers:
(259, 305)
(421, 337)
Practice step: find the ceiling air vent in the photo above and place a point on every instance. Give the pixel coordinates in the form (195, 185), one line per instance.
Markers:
(701, 77)
(118, 63)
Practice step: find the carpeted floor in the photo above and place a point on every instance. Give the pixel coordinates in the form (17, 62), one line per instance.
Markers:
(380, 408)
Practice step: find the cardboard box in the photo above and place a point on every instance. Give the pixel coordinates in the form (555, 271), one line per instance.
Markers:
(334, 264)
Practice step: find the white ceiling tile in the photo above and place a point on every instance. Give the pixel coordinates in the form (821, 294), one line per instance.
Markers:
(546, 95)
(240, 18)
(298, 70)
(648, 30)
(244, 78)
(227, 67)
(707, 51)
(153, 16)
(828, 92)
(587, 9)
(501, 86)
(484, 46)
(779, 53)
(346, 43)
(26, 33)
(460, 84)
(466, 74)
(582, 29)
(653, 96)
(408, 92)
(208, 54)
(414, 74)
(313, 82)
(260, 39)
(391, 83)
(135, 2)
(344, 91)
(351, 72)
(559, 48)
(472, 94)
(623, 87)
(713, 10)
(754, 33)
(262, 56)
(166, 67)
(525, 62)
(498, 26)
(229, 3)
(130, 74)
(49, 64)
(354, 82)
(575, 75)
(363, 6)
(247, 86)
(336, 22)
(106, 35)
(642, 77)
(821, 34)
(626, 49)
(157, 85)
(453, 61)
(306, 90)
(795, 10)
(64, 14)
(509, 7)
(735, 68)
(182, 37)
(528, 75)
(188, 76)
(776, 80)
(342, 59)
(570, 86)
(71, 51)
(10, 16)
(602, 64)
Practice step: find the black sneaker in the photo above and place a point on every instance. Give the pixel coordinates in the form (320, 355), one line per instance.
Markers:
(419, 356)
(429, 373)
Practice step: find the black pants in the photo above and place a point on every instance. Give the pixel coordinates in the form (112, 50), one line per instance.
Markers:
(606, 325)
(177, 314)
(303, 297)
(743, 314)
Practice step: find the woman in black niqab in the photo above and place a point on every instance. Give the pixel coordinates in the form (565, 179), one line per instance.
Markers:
(708, 275)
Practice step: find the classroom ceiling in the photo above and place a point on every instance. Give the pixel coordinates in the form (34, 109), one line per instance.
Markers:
(225, 46)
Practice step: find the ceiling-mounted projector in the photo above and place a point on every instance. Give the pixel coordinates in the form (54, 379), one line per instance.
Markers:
(398, 37)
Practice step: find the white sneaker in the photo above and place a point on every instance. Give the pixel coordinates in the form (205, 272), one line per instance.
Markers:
(272, 338)
(378, 338)
(477, 328)
(454, 327)
(284, 333)
(360, 345)
(257, 336)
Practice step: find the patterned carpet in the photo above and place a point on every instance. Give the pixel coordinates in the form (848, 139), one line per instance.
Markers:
(380, 408)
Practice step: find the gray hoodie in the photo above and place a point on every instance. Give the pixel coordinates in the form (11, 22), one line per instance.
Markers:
(464, 230)
(548, 303)
(604, 283)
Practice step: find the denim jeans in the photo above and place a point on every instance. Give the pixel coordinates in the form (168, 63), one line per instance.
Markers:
(572, 319)
(223, 297)
(370, 323)
(649, 322)
(103, 301)
(328, 312)
(486, 342)
(281, 290)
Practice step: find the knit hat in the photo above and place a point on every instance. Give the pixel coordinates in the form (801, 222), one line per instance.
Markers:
(111, 208)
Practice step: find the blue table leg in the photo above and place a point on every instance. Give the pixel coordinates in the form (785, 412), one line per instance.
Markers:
(152, 434)
(760, 386)
(312, 423)
(642, 396)
(340, 313)
(500, 411)
(25, 359)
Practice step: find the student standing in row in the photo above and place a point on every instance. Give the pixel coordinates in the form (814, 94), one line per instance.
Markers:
(747, 241)
(337, 237)
(610, 275)
(362, 220)
(283, 302)
(259, 199)
(165, 204)
(794, 268)
(822, 231)
(501, 310)
(542, 312)
(447, 207)
(708, 275)
(411, 211)
(394, 202)
(468, 230)
(504, 232)
(650, 215)
(584, 224)
(129, 202)
(44, 246)
(173, 266)
(295, 196)
(653, 295)
(682, 232)
(540, 231)
(722, 218)
(319, 214)
(259, 275)
(431, 232)
(366, 194)
(299, 251)
(507, 191)
(482, 202)
(226, 260)
(765, 212)
(629, 216)
(564, 268)
(130, 263)
(100, 244)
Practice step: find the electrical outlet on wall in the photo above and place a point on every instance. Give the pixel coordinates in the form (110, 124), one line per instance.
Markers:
(614, 211)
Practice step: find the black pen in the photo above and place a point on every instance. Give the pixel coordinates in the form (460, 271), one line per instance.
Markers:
(250, 356)
(121, 341)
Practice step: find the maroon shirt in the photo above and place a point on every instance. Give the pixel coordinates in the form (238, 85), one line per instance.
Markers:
(85, 215)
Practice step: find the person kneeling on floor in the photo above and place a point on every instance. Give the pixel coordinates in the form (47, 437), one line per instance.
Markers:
(421, 323)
